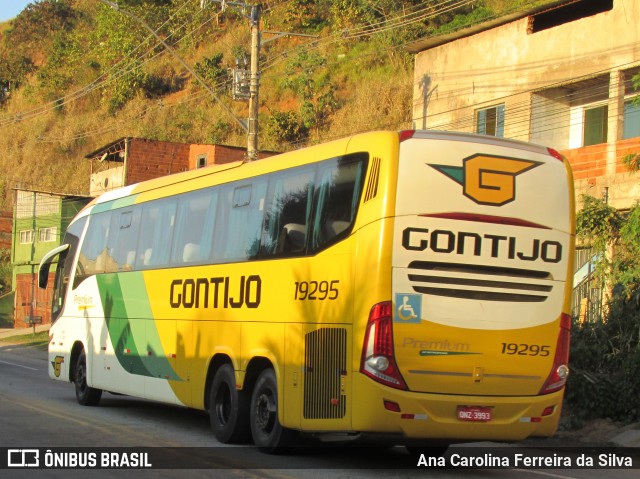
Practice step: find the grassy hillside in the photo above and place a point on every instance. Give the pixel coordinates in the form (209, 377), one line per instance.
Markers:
(76, 74)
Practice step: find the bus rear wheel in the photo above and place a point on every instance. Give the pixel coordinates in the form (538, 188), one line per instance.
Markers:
(267, 432)
(85, 394)
(228, 408)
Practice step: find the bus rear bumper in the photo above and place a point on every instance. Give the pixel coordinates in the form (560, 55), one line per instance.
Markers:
(417, 415)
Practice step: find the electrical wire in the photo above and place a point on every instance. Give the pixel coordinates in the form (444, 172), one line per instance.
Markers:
(420, 14)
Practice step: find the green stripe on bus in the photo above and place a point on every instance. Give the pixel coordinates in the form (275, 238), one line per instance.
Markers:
(133, 331)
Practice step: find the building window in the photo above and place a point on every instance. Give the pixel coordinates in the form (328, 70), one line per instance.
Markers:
(595, 125)
(631, 120)
(490, 121)
(47, 235)
(201, 161)
(26, 236)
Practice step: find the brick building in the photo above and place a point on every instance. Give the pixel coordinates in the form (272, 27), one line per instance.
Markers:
(130, 160)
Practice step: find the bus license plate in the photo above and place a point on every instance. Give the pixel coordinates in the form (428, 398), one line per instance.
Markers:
(474, 413)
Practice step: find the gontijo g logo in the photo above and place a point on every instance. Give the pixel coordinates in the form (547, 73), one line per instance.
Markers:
(488, 179)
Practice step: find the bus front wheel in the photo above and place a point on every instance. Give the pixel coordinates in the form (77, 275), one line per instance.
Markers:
(228, 408)
(267, 432)
(85, 394)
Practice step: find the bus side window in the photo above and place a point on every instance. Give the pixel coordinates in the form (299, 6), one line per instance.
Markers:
(195, 222)
(337, 197)
(242, 218)
(94, 254)
(156, 231)
(287, 217)
(123, 239)
(64, 268)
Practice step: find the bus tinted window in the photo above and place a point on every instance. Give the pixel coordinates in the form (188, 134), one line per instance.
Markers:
(240, 220)
(269, 216)
(338, 191)
(123, 238)
(196, 221)
(157, 225)
(287, 216)
(94, 256)
(64, 268)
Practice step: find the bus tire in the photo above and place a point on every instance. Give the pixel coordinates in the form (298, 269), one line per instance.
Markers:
(85, 394)
(267, 432)
(228, 408)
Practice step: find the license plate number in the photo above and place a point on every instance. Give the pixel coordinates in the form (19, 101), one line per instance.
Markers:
(474, 413)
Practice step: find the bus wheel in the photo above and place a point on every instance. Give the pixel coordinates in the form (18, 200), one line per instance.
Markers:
(267, 432)
(228, 408)
(85, 394)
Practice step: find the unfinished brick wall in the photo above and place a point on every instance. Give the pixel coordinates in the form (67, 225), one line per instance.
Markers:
(220, 154)
(588, 162)
(150, 159)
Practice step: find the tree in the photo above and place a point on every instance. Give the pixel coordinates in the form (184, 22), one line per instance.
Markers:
(212, 71)
(14, 68)
(39, 21)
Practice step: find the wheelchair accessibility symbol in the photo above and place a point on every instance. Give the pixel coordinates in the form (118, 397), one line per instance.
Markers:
(408, 308)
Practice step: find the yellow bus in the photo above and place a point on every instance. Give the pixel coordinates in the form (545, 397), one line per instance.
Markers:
(410, 285)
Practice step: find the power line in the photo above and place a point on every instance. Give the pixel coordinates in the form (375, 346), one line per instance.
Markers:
(419, 15)
(112, 74)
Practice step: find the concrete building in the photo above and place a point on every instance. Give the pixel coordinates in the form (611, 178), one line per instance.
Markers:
(560, 75)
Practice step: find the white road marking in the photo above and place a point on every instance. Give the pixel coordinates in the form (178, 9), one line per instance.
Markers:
(19, 365)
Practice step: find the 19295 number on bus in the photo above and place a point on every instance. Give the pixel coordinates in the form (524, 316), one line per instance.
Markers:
(523, 349)
(316, 290)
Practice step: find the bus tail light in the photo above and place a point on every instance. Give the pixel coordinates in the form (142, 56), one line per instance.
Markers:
(406, 135)
(378, 361)
(555, 154)
(560, 369)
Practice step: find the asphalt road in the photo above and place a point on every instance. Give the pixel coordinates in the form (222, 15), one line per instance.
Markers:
(36, 412)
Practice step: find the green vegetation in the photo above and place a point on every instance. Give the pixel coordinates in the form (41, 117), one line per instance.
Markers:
(6, 310)
(77, 74)
(38, 340)
(605, 353)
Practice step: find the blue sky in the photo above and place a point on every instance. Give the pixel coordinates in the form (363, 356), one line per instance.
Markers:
(11, 8)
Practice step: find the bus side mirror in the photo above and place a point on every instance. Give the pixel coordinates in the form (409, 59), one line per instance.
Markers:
(45, 265)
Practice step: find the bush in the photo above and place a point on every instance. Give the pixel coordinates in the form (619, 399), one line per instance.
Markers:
(285, 127)
(605, 365)
(605, 354)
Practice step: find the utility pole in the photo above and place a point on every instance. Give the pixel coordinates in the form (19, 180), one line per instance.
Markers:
(254, 86)
(251, 125)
